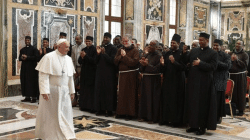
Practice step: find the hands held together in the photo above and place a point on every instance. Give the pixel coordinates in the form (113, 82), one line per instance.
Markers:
(234, 57)
(143, 61)
(100, 50)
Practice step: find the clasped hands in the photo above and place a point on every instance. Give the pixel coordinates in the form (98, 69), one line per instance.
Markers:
(196, 62)
(24, 56)
(100, 50)
(83, 54)
(46, 96)
(234, 57)
(144, 61)
(123, 52)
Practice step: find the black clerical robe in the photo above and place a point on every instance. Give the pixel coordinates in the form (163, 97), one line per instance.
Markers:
(239, 77)
(28, 75)
(201, 95)
(87, 81)
(48, 50)
(149, 106)
(105, 82)
(173, 88)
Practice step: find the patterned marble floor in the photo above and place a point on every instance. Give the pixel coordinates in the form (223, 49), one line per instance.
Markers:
(17, 122)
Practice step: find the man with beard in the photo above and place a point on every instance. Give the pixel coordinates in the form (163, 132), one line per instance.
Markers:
(201, 96)
(105, 83)
(149, 107)
(220, 78)
(118, 41)
(75, 54)
(239, 60)
(88, 71)
(45, 49)
(173, 87)
(29, 56)
(195, 44)
(127, 59)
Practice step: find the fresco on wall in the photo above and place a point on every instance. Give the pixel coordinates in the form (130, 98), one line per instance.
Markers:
(235, 21)
(153, 33)
(154, 10)
(26, 1)
(53, 24)
(200, 17)
(89, 5)
(71, 4)
(233, 37)
(129, 10)
(23, 24)
(129, 28)
(89, 27)
(183, 13)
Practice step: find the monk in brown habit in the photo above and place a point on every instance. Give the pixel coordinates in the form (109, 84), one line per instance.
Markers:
(127, 59)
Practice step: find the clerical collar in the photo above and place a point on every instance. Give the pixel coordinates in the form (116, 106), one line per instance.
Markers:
(204, 48)
(28, 46)
(59, 53)
(106, 44)
(175, 50)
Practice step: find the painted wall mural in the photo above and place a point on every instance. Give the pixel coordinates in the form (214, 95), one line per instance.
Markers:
(129, 10)
(154, 10)
(200, 17)
(183, 13)
(235, 21)
(129, 28)
(26, 1)
(233, 37)
(23, 24)
(89, 27)
(53, 24)
(89, 6)
(70, 4)
(153, 33)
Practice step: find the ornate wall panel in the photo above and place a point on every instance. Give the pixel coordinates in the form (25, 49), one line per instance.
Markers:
(89, 5)
(182, 33)
(154, 10)
(183, 13)
(200, 17)
(234, 36)
(236, 21)
(70, 4)
(53, 24)
(222, 24)
(129, 28)
(153, 33)
(24, 23)
(129, 10)
(89, 27)
(26, 1)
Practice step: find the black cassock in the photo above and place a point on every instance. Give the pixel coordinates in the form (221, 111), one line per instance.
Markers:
(173, 88)
(87, 81)
(48, 50)
(149, 107)
(105, 83)
(201, 94)
(29, 76)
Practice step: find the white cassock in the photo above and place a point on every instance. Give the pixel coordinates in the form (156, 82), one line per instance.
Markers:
(54, 120)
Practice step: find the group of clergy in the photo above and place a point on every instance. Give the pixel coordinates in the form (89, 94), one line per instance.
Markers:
(122, 80)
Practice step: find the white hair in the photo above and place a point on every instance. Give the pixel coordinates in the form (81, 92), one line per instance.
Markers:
(196, 41)
(60, 41)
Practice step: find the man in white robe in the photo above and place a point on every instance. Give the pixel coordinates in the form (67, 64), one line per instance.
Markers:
(55, 116)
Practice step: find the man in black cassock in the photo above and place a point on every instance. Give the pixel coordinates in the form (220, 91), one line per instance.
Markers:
(105, 83)
(45, 49)
(201, 95)
(88, 71)
(173, 87)
(149, 107)
(29, 76)
(239, 60)
(220, 78)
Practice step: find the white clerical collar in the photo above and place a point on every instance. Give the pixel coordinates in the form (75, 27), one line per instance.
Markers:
(59, 53)
(27, 46)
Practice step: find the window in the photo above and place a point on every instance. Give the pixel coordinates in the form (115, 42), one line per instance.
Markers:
(172, 20)
(114, 17)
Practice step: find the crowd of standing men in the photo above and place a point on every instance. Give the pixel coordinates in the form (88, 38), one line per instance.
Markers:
(173, 87)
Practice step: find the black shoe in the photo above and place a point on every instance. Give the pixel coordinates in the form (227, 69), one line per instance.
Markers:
(201, 131)
(219, 120)
(99, 113)
(33, 101)
(241, 113)
(26, 100)
(189, 130)
(108, 113)
(128, 118)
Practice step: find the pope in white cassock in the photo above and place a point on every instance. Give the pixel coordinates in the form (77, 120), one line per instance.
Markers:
(54, 119)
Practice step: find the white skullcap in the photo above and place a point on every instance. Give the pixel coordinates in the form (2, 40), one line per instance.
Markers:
(60, 41)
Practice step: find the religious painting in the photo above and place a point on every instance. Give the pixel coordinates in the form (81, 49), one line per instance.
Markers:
(129, 10)
(182, 33)
(153, 32)
(154, 10)
(233, 37)
(129, 28)
(24, 23)
(70, 4)
(183, 13)
(89, 27)
(53, 24)
(200, 17)
(89, 5)
(235, 21)
(34, 2)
